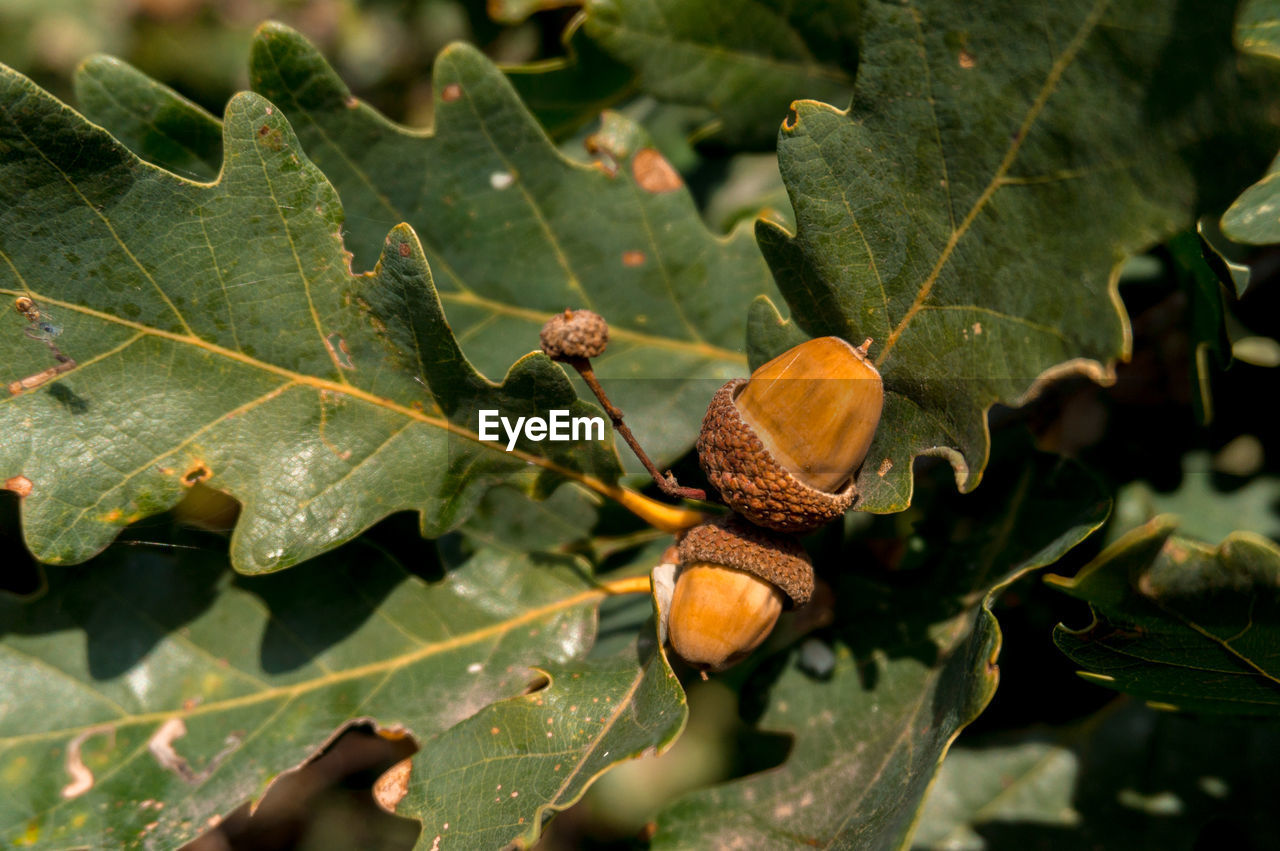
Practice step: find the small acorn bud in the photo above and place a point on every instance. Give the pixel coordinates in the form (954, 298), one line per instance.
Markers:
(782, 446)
(575, 334)
(734, 580)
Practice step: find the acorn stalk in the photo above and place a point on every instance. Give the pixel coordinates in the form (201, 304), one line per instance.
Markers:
(574, 337)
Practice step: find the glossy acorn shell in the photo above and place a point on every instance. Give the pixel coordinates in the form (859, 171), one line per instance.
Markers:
(782, 447)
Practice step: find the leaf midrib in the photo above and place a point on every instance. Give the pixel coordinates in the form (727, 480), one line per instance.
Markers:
(302, 379)
(1047, 89)
(389, 665)
(469, 296)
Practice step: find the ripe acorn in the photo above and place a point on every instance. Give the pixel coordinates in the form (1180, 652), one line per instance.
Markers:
(733, 581)
(782, 446)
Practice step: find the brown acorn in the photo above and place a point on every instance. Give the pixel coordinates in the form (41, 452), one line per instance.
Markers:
(782, 446)
(574, 334)
(733, 581)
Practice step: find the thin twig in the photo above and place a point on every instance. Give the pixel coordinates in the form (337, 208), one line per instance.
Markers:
(666, 481)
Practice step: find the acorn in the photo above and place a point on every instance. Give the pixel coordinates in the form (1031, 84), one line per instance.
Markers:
(574, 334)
(733, 581)
(782, 447)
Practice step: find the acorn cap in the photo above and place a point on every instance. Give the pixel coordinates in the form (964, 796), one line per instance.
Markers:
(730, 541)
(751, 481)
(575, 334)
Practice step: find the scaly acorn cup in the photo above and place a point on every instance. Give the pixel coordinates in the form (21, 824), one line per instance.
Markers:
(734, 580)
(782, 446)
(574, 334)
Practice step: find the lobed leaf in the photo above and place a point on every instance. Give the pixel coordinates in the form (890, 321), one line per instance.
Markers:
(146, 115)
(1125, 777)
(623, 238)
(1207, 507)
(970, 211)
(1180, 624)
(1252, 218)
(568, 92)
(744, 60)
(491, 781)
(146, 694)
(516, 231)
(915, 661)
(215, 339)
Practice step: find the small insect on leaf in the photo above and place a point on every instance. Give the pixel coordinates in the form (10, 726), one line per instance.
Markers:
(43, 326)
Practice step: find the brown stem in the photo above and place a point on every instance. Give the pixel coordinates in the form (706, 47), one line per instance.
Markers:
(666, 481)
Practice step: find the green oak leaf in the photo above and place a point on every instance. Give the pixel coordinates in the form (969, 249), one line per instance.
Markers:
(1127, 777)
(567, 92)
(915, 653)
(1228, 260)
(622, 237)
(1030, 781)
(1254, 217)
(752, 187)
(1205, 320)
(492, 780)
(1181, 624)
(506, 517)
(215, 339)
(1207, 507)
(145, 693)
(970, 212)
(145, 115)
(745, 60)
(1258, 28)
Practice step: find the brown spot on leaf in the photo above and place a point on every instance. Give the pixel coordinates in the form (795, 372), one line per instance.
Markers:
(633, 258)
(654, 173)
(20, 485)
(393, 785)
(196, 474)
(404, 249)
(351, 102)
(967, 60)
(161, 747)
(81, 776)
(271, 137)
(451, 92)
(885, 466)
(337, 346)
